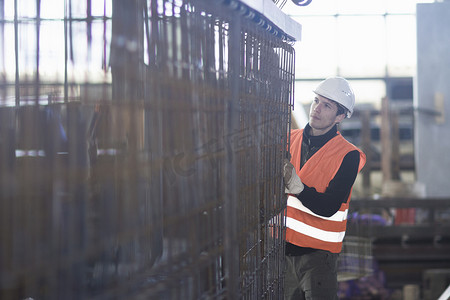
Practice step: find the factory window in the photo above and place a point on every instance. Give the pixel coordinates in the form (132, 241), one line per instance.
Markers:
(51, 28)
(368, 42)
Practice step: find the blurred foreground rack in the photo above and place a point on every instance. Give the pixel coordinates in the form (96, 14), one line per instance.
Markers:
(141, 150)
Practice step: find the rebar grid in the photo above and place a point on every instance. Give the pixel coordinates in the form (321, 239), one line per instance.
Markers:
(160, 180)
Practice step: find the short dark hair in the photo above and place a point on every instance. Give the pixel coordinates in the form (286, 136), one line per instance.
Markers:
(340, 109)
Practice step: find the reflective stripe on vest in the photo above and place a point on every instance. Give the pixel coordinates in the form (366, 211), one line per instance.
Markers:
(304, 228)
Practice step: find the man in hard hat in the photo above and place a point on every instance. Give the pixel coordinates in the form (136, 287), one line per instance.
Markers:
(319, 180)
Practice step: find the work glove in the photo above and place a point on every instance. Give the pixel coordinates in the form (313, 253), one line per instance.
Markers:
(292, 183)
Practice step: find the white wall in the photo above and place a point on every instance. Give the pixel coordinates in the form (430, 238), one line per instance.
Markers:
(432, 134)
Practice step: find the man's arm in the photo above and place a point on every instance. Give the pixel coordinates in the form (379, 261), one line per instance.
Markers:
(328, 203)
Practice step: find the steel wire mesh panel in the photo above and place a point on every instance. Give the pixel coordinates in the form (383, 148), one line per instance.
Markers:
(356, 259)
(148, 164)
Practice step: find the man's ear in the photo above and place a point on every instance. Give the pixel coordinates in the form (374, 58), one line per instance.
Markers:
(339, 118)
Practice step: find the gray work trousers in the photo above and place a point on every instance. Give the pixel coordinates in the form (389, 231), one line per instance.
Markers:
(311, 276)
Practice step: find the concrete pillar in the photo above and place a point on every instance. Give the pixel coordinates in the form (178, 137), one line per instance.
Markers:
(432, 98)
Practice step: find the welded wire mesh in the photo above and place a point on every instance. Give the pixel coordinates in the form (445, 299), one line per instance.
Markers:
(356, 259)
(141, 150)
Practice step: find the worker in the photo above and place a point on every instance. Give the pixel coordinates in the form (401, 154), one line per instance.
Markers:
(319, 179)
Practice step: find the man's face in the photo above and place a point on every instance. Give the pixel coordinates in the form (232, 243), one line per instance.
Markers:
(322, 115)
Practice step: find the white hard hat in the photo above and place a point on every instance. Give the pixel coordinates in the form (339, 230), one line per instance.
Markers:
(337, 89)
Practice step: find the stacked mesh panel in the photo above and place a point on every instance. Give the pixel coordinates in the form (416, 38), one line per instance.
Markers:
(148, 165)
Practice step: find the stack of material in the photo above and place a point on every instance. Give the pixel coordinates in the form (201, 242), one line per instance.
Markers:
(355, 260)
(161, 182)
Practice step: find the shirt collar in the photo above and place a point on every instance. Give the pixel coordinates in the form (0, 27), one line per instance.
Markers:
(319, 140)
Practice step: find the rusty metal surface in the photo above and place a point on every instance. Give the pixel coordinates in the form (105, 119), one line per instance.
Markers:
(160, 178)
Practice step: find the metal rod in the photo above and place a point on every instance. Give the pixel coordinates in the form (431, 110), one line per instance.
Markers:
(16, 52)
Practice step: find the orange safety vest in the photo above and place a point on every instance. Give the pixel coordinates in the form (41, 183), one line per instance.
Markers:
(305, 228)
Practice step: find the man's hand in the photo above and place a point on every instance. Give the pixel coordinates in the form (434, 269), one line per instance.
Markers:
(292, 183)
